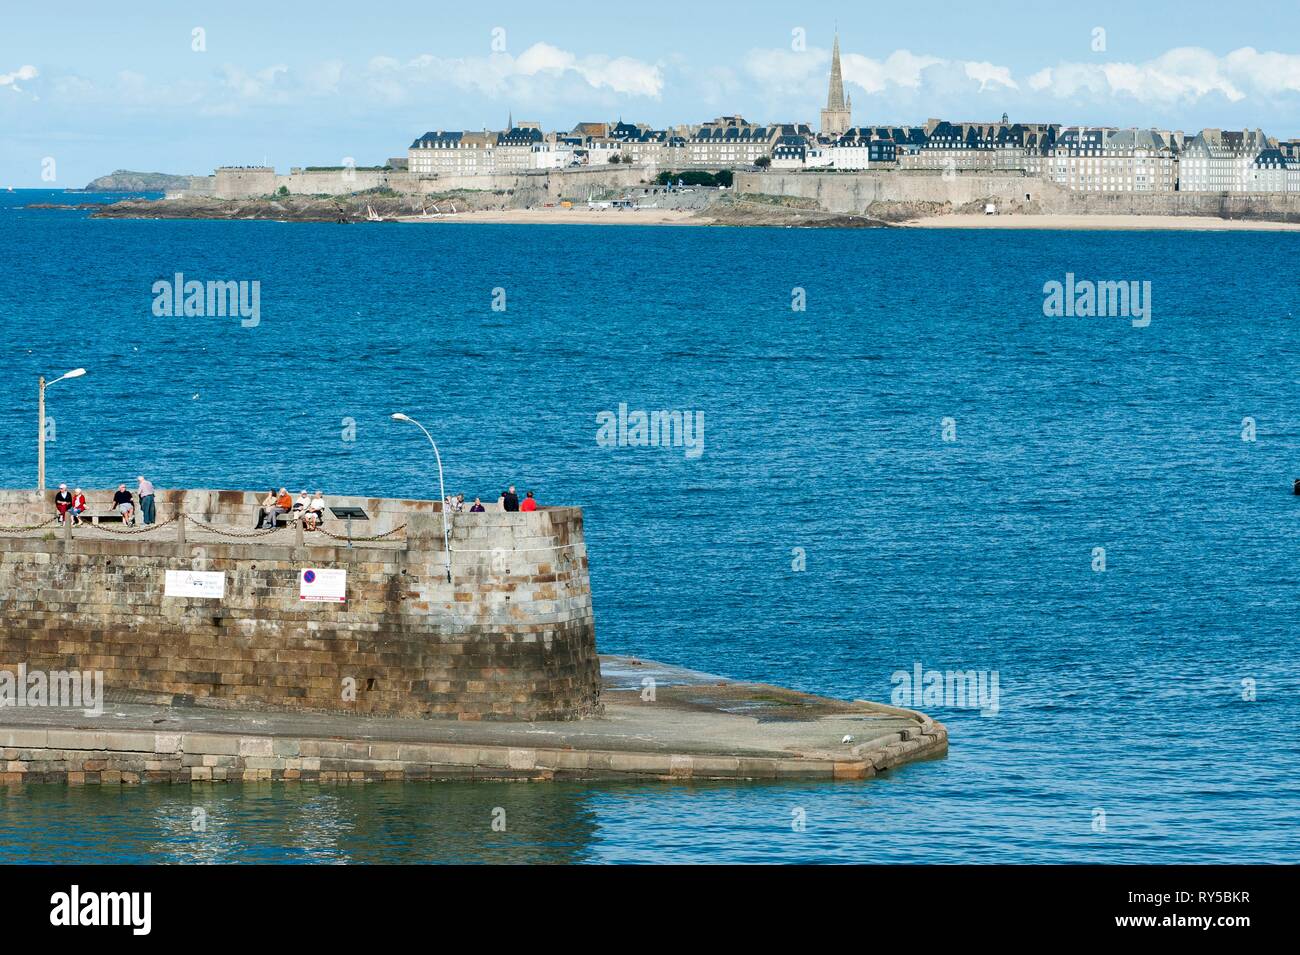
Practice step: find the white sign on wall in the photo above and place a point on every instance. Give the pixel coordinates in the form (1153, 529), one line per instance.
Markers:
(328, 584)
(195, 583)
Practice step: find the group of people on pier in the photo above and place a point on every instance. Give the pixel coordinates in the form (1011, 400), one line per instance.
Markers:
(508, 501)
(70, 505)
(310, 510)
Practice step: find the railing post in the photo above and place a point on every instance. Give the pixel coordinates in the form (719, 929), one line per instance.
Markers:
(180, 531)
(67, 532)
(297, 531)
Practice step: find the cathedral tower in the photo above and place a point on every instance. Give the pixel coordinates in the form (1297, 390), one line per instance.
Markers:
(837, 117)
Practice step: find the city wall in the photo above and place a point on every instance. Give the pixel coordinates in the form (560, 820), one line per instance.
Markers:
(534, 187)
(512, 637)
(1283, 207)
(856, 192)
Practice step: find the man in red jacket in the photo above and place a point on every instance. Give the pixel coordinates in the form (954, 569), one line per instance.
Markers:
(529, 503)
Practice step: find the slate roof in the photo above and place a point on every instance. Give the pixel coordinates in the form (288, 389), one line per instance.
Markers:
(740, 134)
(520, 137)
(439, 137)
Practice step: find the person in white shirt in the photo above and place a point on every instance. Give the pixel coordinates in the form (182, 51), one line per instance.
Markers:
(300, 506)
(317, 508)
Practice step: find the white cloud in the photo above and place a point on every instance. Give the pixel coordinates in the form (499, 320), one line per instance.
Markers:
(986, 74)
(1269, 73)
(260, 85)
(1184, 74)
(20, 75)
(783, 72)
(533, 72)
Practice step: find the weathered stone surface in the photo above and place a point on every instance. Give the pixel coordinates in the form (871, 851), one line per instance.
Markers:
(691, 731)
(511, 638)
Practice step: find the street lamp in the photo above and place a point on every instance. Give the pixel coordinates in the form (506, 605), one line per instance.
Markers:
(40, 447)
(442, 492)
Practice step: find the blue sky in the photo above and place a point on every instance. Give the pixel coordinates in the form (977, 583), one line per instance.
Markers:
(96, 87)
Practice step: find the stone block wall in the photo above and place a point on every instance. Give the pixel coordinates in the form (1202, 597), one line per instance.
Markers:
(511, 637)
(855, 192)
(233, 182)
(237, 508)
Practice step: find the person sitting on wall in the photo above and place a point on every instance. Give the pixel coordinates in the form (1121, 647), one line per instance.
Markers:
(313, 513)
(453, 504)
(478, 507)
(78, 507)
(529, 504)
(268, 502)
(510, 500)
(124, 504)
(302, 505)
(62, 501)
(283, 505)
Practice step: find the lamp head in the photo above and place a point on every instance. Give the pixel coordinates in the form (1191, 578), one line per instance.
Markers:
(75, 373)
(400, 417)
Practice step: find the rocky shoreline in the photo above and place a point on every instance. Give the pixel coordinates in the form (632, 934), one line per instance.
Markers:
(746, 209)
(291, 208)
(742, 211)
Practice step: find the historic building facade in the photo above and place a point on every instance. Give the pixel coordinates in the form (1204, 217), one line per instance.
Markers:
(1219, 160)
(1095, 159)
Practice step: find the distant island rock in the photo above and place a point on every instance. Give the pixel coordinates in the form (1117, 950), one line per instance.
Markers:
(123, 180)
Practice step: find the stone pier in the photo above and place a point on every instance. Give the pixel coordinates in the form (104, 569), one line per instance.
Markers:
(692, 726)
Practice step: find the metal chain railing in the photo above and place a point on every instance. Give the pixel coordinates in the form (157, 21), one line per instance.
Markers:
(18, 529)
(213, 528)
(128, 531)
(376, 537)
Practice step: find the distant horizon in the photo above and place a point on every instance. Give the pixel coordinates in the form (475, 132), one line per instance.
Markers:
(244, 84)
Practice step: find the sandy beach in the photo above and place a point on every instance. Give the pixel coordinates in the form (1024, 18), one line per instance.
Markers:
(1015, 221)
(559, 216)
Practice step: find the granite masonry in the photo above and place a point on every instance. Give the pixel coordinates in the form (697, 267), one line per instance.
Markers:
(510, 638)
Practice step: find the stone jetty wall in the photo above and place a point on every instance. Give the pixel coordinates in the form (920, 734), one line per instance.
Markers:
(511, 637)
(239, 509)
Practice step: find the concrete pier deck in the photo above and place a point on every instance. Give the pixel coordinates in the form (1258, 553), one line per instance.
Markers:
(693, 726)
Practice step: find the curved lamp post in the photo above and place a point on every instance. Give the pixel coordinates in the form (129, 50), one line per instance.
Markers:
(442, 491)
(40, 407)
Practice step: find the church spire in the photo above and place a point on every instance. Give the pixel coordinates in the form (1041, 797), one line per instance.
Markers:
(835, 98)
(837, 117)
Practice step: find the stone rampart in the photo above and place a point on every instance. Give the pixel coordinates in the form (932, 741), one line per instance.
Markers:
(510, 637)
(1011, 192)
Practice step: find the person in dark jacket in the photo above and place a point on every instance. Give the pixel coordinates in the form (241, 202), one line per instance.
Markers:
(62, 501)
(124, 504)
(510, 500)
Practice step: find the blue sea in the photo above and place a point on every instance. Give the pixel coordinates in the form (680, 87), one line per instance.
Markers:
(827, 537)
